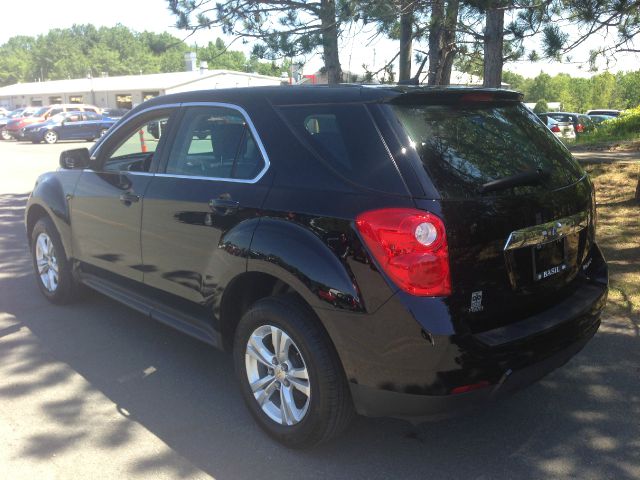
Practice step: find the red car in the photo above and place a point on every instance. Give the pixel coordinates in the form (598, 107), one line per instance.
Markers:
(15, 126)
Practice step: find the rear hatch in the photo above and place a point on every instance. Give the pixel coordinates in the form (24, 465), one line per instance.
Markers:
(518, 209)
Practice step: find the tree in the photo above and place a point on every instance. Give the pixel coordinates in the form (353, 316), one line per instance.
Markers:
(541, 106)
(442, 40)
(281, 28)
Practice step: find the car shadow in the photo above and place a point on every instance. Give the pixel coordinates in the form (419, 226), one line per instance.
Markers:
(582, 421)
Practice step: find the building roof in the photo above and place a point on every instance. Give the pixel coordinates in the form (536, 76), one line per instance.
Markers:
(157, 81)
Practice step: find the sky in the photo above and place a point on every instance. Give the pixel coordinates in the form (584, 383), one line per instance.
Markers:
(38, 16)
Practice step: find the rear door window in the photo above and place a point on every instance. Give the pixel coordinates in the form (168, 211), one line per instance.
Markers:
(465, 146)
(215, 142)
(344, 138)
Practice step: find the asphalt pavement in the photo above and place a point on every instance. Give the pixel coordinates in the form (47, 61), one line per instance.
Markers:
(96, 390)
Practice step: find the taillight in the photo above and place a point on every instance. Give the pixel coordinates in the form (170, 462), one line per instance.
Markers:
(411, 248)
(555, 128)
(579, 128)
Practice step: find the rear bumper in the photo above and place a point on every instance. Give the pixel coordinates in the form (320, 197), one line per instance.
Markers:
(403, 361)
(374, 402)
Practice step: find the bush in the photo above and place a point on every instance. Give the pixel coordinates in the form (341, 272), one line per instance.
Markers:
(541, 107)
(628, 123)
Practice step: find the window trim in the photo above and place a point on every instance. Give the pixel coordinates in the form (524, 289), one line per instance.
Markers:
(182, 106)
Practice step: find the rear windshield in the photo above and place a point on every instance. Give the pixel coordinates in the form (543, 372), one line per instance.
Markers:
(344, 138)
(463, 147)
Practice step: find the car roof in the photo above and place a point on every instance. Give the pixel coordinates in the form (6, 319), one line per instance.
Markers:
(292, 95)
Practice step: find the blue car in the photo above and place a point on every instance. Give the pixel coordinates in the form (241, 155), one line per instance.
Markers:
(68, 126)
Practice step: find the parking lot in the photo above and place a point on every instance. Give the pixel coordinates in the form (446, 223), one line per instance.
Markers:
(96, 390)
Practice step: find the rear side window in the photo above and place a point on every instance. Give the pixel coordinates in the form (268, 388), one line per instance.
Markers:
(345, 138)
(465, 146)
(215, 142)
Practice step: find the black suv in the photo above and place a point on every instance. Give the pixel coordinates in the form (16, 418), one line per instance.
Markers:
(390, 251)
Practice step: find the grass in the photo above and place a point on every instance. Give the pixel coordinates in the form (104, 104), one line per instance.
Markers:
(618, 233)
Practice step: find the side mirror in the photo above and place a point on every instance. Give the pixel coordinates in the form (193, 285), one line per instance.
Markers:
(75, 159)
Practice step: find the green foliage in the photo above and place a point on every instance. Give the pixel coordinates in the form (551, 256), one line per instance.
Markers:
(541, 106)
(86, 50)
(626, 124)
(604, 90)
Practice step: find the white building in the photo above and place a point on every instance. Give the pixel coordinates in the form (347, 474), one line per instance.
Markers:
(126, 91)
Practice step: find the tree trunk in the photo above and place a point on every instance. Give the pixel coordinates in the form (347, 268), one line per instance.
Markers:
(451, 24)
(406, 38)
(435, 42)
(330, 41)
(493, 40)
(442, 41)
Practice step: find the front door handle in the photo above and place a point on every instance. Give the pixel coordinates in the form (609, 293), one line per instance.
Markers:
(129, 198)
(223, 205)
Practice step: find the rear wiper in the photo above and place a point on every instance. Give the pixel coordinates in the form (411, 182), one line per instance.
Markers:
(530, 177)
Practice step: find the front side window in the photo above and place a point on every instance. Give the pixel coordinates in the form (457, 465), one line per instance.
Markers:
(91, 116)
(215, 142)
(136, 150)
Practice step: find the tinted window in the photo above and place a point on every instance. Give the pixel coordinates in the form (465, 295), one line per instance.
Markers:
(215, 142)
(463, 147)
(345, 138)
(91, 116)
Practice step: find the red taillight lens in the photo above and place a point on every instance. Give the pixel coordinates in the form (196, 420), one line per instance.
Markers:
(555, 128)
(579, 128)
(411, 247)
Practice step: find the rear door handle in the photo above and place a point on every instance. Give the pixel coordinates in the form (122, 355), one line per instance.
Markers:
(129, 198)
(224, 205)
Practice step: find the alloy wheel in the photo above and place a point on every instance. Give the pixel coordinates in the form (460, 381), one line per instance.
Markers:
(277, 375)
(47, 262)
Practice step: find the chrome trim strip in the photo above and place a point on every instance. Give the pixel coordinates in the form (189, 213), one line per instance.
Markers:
(242, 111)
(547, 232)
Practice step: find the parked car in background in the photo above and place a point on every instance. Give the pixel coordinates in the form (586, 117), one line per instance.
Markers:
(114, 113)
(393, 251)
(598, 119)
(15, 126)
(612, 113)
(4, 112)
(68, 126)
(582, 124)
(18, 113)
(562, 130)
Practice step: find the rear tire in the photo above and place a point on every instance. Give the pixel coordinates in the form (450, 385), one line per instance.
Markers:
(5, 135)
(304, 393)
(50, 263)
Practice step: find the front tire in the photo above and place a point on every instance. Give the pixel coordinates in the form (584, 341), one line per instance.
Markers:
(51, 137)
(5, 135)
(290, 375)
(50, 263)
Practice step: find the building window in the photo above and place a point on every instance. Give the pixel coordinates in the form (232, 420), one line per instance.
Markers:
(123, 100)
(76, 99)
(36, 102)
(54, 100)
(149, 95)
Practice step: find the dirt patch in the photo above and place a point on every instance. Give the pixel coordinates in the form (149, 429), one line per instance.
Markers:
(621, 146)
